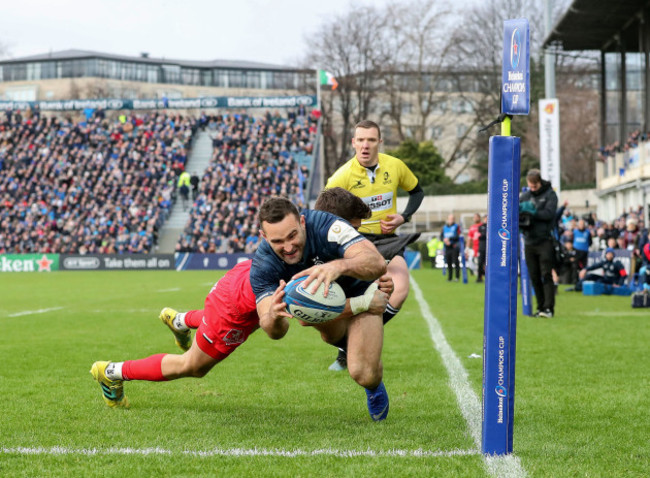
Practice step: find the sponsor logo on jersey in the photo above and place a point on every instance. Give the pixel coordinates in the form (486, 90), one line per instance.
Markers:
(358, 185)
(379, 202)
(234, 337)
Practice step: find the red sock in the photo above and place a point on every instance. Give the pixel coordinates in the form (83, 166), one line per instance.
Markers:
(149, 368)
(193, 318)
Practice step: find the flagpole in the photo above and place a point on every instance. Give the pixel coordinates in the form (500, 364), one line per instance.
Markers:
(318, 89)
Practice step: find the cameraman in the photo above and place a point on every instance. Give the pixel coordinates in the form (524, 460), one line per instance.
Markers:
(537, 208)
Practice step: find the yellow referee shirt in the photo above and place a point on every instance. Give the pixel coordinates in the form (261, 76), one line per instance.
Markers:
(378, 188)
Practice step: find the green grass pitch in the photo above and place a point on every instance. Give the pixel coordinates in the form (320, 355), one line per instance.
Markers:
(273, 409)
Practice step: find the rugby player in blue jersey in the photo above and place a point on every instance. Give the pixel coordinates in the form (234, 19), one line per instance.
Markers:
(324, 248)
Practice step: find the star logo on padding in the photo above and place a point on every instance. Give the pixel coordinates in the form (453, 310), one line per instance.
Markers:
(44, 264)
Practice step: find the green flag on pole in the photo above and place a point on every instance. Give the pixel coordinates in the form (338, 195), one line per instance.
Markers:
(326, 78)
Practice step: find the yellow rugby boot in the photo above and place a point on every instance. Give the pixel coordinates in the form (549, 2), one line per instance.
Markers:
(112, 390)
(183, 338)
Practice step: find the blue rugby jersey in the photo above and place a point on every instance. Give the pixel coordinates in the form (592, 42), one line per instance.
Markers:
(328, 237)
(581, 239)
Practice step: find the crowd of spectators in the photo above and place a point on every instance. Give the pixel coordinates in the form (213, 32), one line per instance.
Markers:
(91, 186)
(632, 142)
(253, 158)
(581, 234)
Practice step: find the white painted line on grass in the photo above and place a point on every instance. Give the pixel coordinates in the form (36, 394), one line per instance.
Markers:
(173, 289)
(243, 452)
(468, 401)
(32, 312)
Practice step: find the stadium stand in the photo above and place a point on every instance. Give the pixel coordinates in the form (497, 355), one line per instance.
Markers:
(108, 185)
(253, 158)
(94, 186)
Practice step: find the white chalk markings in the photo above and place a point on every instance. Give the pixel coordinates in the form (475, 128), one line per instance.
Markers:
(468, 402)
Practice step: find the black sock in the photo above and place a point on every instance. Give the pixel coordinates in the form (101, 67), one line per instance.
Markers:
(389, 313)
(342, 345)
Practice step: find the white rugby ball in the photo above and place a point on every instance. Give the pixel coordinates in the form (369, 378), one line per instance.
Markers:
(314, 308)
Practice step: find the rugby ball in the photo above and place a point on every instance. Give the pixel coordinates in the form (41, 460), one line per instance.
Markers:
(314, 308)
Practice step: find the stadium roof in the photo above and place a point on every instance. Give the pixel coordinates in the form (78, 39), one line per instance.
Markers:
(594, 24)
(85, 54)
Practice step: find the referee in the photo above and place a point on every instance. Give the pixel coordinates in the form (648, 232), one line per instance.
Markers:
(375, 178)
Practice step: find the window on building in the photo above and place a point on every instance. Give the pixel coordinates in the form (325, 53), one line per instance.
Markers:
(128, 71)
(206, 78)
(66, 69)
(411, 131)
(220, 78)
(253, 79)
(460, 105)
(612, 71)
(443, 84)
(114, 70)
(190, 76)
(282, 80)
(91, 67)
(236, 79)
(463, 158)
(440, 108)
(48, 70)
(436, 132)
(102, 68)
(306, 81)
(15, 72)
(153, 74)
(171, 74)
(33, 71)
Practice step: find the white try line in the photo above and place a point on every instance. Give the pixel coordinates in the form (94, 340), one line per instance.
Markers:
(468, 401)
(32, 312)
(237, 452)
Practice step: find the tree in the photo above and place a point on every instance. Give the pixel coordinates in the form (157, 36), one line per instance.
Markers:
(404, 55)
(423, 160)
(346, 46)
(579, 110)
(479, 40)
(481, 56)
(416, 49)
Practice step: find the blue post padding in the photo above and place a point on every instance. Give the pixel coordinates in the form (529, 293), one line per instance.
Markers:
(501, 295)
(462, 259)
(413, 259)
(526, 294)
(444, 267)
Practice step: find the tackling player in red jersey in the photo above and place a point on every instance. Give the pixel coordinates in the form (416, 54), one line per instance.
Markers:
(227, 320)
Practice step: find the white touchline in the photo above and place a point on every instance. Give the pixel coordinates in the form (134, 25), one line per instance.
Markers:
(56, 450)
(173, 289)
(468, 401)
(31, 312)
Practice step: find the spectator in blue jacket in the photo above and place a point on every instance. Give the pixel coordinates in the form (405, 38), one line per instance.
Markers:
(450, 235)
(581, 243)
